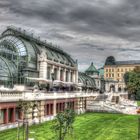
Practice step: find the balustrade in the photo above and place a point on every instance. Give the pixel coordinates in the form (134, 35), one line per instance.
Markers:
(40, 95)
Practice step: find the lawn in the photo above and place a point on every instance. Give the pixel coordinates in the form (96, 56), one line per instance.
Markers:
(138, 103)
(89, 126)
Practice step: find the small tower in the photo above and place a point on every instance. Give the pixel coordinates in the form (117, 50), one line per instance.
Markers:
(92, 71)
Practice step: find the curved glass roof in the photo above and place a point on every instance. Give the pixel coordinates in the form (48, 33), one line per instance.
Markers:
(18, 55)
(7, 69)
(55, 56)
(53, 53)
(29, 48)
(86, 80)
(12, 42)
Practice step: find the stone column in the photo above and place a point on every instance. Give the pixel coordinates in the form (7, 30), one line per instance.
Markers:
(99, 82)
(13, 115)
(76, 76)
(49, 109)
(73, 78)
(58, 107)
(54, 107)
(41, 109)
(52, 72)
(43, 70)
(58, 73)
(21, 115)
(64, 75)
(116, 87)
(6, 116)
(69, 76)
(106, 86)
(43, 65)
(52, 69)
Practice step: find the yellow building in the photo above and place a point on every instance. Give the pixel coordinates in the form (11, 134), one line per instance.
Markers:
(114, 72)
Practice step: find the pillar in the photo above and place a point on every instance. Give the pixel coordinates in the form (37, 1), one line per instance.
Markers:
(76, 76)
(41, 110)
(73, 79)
(58, 107)
(43, 64)
(58, 73)
(20, 115)
(6, 116)
(116, 87)
(49, 109)
(43, 70)
(54, 107)
(69, 76)
(13, 114)
(64, 75)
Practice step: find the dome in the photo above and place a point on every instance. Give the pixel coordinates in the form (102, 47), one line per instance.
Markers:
(110, 60)
(92, 70)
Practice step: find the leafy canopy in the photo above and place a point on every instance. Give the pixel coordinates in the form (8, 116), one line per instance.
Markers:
(132, 81)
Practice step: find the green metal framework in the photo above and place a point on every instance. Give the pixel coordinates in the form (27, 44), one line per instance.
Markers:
(18, 56)
(92, 70)
(86, 80)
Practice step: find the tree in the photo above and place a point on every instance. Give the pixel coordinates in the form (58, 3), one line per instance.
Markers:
(24, 107)
(132, 81)
(63, 124)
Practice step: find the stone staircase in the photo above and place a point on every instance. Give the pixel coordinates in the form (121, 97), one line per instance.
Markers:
(101, 97)
(112, 103)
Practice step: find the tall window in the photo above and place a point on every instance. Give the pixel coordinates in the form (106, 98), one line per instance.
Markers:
(71, 77)
(61, 75)
(48, 73)
(67, 76)
(55, 73)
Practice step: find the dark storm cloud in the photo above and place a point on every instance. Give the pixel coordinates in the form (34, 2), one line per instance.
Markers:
(107, 19)
(102, 48)
(92, 28)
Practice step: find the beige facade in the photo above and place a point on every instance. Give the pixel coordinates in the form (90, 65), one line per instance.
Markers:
(115, 72)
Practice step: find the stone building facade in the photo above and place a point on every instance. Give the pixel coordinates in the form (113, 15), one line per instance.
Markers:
(35, 71)
(114, 72)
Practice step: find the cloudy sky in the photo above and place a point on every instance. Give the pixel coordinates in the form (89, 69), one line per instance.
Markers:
(90, 30)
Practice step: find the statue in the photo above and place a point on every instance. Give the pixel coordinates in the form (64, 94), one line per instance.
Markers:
(42, 56)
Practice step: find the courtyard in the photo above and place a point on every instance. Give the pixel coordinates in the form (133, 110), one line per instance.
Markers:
(89, 126)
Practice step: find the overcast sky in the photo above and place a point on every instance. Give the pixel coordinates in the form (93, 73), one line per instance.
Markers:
(89, 30)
